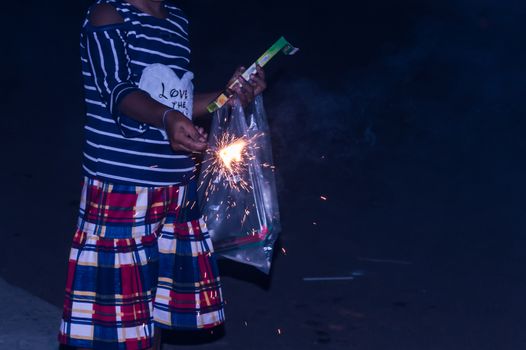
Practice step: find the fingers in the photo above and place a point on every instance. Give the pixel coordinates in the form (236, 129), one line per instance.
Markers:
(258, 84)
(246, 90)
(189, 145)
(203, 135)
(239, 71)
(184, 136)
(258, 80)
(194, 139)
(260, 71)
(237, 74)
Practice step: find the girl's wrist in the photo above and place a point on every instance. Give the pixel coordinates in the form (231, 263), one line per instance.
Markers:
(165, 117)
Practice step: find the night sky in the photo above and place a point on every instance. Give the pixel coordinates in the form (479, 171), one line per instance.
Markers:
(408, 116)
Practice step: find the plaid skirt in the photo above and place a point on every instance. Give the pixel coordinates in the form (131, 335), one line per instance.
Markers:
(141, 257)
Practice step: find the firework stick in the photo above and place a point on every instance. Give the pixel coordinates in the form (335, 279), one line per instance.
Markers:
(281, 45)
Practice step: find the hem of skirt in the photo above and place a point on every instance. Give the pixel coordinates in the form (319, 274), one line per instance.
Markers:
(188, 328)
(88, 344)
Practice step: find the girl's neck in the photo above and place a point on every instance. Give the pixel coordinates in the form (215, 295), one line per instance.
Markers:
(151, 7)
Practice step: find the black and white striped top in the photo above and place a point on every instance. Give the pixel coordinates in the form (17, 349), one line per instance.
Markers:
(117, 148)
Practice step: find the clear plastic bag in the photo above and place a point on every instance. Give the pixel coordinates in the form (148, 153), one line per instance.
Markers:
(237, 187)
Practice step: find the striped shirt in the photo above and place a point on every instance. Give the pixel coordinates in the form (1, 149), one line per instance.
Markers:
(117, 148)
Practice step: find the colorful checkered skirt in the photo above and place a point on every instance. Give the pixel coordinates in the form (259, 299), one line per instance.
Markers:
(141, 257)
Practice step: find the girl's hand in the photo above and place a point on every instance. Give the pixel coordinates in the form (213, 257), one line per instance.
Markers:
(183, 135)
(257, 80)
(247, 90)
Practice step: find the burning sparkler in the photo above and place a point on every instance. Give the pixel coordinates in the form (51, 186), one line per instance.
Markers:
(228, 162)
(232, 153)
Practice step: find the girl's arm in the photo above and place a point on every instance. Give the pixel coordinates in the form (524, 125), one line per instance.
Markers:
(108, 58)
(183, 135)
(201, 101)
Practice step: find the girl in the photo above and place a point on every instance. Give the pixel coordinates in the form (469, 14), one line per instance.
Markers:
(141, 257)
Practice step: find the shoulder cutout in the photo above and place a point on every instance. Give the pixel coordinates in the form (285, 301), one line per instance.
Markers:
(103, 15)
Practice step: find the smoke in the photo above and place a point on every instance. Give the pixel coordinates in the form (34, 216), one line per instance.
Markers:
(313, 123)
(432, 92)
(309, 122)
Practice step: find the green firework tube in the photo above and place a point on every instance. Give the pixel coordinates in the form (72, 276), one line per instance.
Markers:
(281, 45)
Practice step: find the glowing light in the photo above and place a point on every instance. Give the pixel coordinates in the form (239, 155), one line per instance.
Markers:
(284, 251)
(232, 153)
(227, 163)
(323, 198)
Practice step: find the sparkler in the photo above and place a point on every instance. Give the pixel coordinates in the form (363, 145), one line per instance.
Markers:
(228, 162)
(232, 153)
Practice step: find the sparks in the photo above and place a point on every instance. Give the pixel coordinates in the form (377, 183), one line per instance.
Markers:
(284, 251)
(227, 162)
(232, 153)
(227, 167)
(323, 198)
(279, 331)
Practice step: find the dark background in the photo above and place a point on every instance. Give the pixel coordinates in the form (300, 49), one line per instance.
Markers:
(407, 115)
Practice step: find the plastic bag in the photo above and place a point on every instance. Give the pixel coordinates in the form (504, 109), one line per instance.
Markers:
(237, 187)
